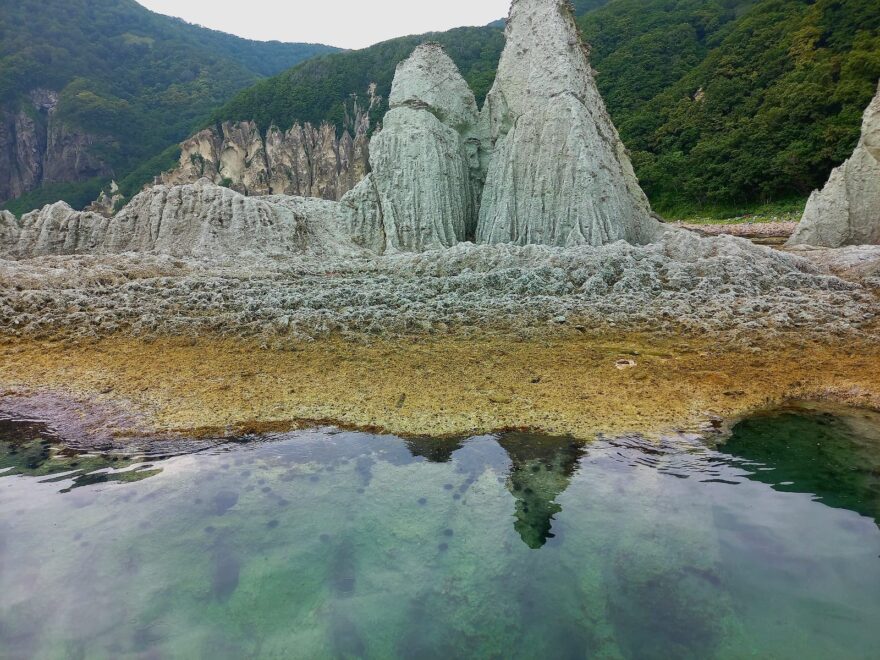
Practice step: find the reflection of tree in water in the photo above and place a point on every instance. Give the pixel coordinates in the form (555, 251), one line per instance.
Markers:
(834, 458)
(541, 470)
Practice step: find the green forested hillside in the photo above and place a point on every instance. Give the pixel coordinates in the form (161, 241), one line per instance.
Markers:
(723, 103)
(123, 72)
(317, 90)
(734, 103)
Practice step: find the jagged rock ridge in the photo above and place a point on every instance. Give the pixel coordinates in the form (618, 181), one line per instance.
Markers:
(847, 210)
(305, 161)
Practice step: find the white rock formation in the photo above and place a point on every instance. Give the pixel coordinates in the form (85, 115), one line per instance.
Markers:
(108, 202)
(421, 188)
(847, 210)
(199, 220)
(558, 173)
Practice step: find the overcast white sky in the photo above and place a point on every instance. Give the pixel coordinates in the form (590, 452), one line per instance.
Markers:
(343, 23)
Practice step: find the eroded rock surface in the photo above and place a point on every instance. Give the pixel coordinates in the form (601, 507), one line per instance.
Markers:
(199, 220)
(304, 161)
(558, 173)
(420, 188)
(847, 210)
(725, 286)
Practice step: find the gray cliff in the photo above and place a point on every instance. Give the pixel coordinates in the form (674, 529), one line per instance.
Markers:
(305, 160)
(558, 173)
(37, 148)
(847, 210)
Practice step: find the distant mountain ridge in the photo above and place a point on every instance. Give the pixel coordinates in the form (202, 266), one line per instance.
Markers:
(90, 89)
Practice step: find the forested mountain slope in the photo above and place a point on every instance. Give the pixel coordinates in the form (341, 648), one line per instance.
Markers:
(736, 102)
(92, 88)
(721, 102)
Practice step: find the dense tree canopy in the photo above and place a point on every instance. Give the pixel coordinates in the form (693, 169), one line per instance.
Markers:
(734, 102)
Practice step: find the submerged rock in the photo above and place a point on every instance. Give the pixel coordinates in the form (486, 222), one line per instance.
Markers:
(558, 173)
(200, 220)
(420, 188)
(847, 210)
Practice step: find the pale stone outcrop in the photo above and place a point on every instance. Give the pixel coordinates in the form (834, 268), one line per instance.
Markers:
(198, 220)
(58, 229)
(847, 210)
(108, 201)
(558, 173)
(305, 161)
(9, 229)
(421, 181)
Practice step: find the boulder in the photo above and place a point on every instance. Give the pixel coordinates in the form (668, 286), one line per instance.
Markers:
(847, 210)
(558, 173)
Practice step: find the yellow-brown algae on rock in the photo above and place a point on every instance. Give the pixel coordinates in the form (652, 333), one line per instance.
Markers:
(449, 385)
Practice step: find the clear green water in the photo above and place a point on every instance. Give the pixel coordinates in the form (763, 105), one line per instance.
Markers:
(334, 544)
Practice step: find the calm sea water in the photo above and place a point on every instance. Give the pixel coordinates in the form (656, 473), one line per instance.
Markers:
(329, 544)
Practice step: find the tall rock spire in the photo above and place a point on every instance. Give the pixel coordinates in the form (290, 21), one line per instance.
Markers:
(847, 210)
(558, 173)
(420, 194)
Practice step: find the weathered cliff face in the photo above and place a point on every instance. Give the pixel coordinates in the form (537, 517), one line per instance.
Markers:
(420, 194)
(37, 148)
(306, 160)
(558, 173)
(198, 220)
(847, 210)
(542, 164)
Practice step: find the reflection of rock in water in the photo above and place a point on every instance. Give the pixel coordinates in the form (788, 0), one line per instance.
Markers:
(435, 450)
(541, 470)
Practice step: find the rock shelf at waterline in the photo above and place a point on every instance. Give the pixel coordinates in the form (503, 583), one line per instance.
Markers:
(439, 386)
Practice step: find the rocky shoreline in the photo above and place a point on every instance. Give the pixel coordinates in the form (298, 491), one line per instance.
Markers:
(725, 286)
(118, 391)
(487, 254)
